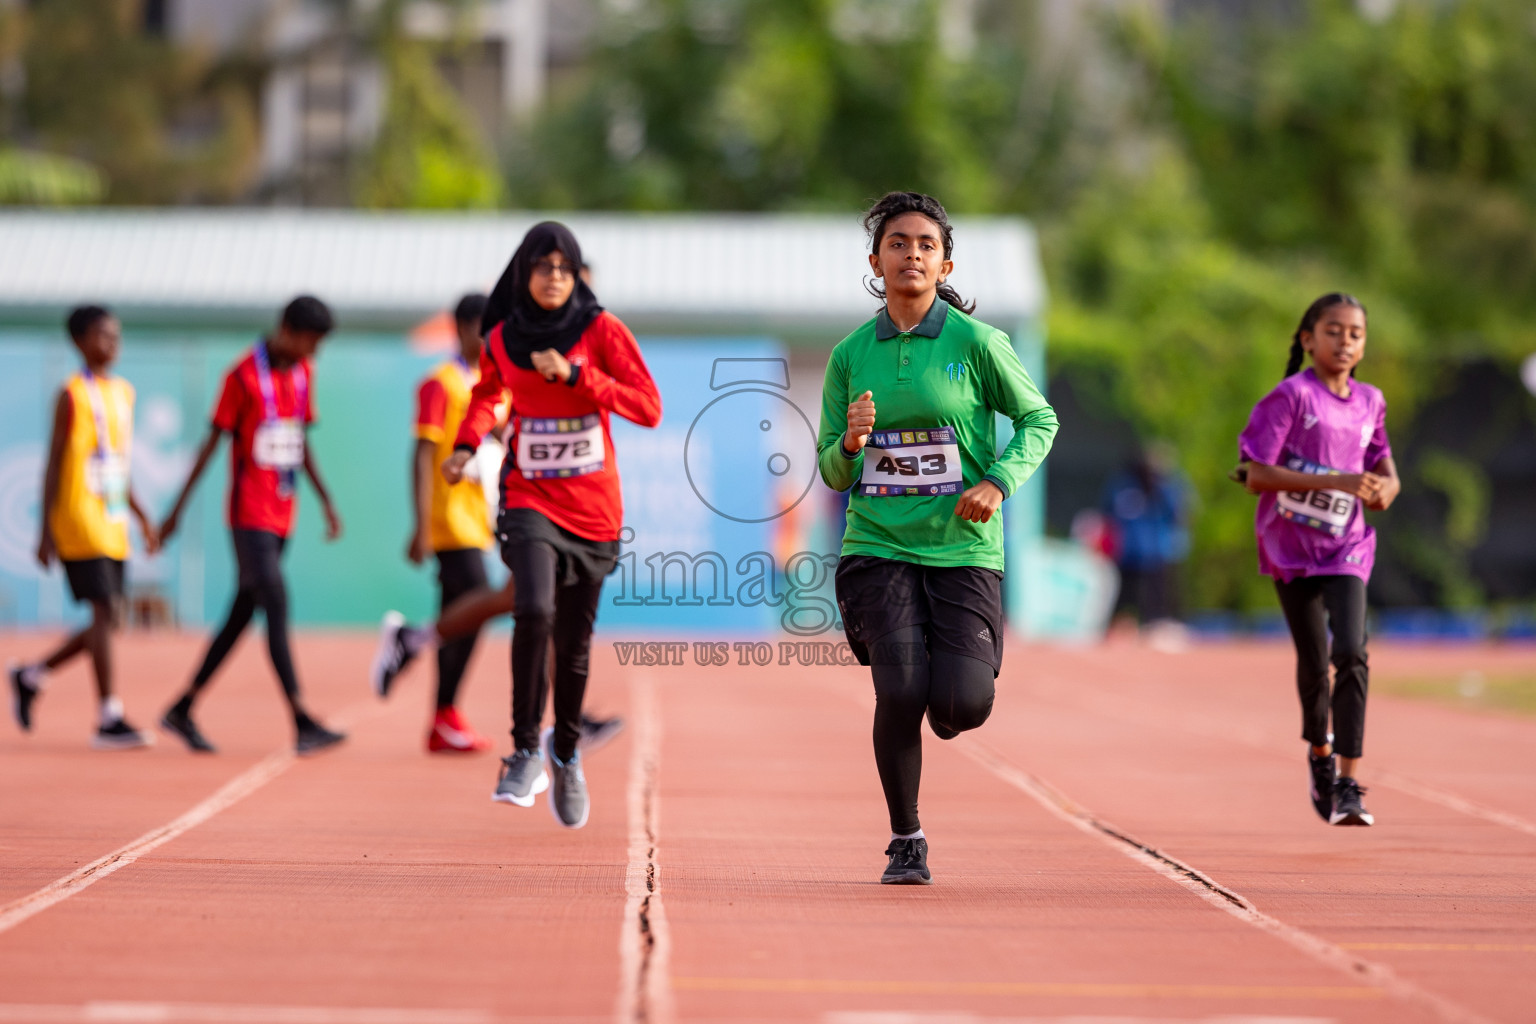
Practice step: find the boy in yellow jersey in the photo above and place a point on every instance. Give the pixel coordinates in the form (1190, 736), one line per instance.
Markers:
(86, 503)
(450, 521)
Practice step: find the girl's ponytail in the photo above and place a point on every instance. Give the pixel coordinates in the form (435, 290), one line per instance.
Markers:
(1309, 321)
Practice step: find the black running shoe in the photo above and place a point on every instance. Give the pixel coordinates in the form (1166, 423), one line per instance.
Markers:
(314, 737)
(908, 864)
(1347, 809)
(178, 722)
(23, 694)
(392, 654)
(597, 731)
(121, 736)
(1325, 770)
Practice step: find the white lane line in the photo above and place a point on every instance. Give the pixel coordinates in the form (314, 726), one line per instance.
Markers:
(1207, 889)
(645, 992)
(942, 1017)
(231, 793)
(221, 1013)
(1195, 725)
(1450, 801)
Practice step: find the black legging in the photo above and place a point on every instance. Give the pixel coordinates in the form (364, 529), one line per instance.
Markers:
(953, 690)
(261, 586)
(543, 610)
(1315, 606)
(459, 571)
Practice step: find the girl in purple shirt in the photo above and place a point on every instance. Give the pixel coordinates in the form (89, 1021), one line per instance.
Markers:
(1316, 452)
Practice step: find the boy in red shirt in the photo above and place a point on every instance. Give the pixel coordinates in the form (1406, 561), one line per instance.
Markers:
(266, 406)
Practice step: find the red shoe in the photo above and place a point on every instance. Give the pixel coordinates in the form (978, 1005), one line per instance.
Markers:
(450, 733)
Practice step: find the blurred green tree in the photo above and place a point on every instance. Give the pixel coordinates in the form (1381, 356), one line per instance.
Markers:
(159, 123)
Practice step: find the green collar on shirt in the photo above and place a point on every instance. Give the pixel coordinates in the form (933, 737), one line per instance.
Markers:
(929, 327)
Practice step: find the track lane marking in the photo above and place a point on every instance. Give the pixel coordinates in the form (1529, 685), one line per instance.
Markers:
(232, 792)
(1109, 990)
(116, 1012)
(1194, 725)
(645, 995)
(1195, 881)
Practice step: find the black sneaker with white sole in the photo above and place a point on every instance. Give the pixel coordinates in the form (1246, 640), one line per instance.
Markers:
(595, 732)
(1324, 772)
(908, 863)
(568, 786)
(522, 778)
(178, 722)
(1347, 809)
(392, 654)
(314, 737)
(23, 694)
(120, 736)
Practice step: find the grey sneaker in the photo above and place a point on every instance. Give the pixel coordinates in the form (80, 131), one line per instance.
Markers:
(522, 778)
(568, 792)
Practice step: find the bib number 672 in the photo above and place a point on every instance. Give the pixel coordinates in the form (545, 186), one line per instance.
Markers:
(543, 451)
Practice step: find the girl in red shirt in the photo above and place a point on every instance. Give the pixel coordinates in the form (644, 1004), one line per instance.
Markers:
(568, 364)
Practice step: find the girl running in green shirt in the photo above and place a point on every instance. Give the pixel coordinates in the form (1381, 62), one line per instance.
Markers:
(909, 422)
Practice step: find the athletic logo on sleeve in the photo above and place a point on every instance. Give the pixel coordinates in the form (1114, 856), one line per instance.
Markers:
(1309, 421)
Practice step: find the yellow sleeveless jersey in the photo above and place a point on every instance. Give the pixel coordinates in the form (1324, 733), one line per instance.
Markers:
(460, 514)
(90, 512)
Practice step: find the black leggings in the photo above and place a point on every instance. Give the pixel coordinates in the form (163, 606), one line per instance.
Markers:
(459, 571)
(955, 692)
(1314, 606)
(543, 611)
(258, 554)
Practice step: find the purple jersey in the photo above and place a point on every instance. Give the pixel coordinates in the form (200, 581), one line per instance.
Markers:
(1301, 425)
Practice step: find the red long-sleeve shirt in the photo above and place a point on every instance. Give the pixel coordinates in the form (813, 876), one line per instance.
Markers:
(613, 378)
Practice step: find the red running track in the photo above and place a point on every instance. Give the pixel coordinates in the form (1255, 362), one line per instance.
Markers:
(1128, 839)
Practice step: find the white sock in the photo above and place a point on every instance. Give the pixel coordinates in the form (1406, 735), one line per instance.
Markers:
(915, 835)
(111, 711)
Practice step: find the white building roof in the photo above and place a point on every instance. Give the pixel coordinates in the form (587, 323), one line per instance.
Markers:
(675, 269)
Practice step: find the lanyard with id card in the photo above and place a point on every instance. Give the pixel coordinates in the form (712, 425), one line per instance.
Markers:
(106, 471)
(552, 447)
(911, 463)
(279, 441)
(1328, 511)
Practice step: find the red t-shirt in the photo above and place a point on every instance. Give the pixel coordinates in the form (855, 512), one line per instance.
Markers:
(262, 497)
(560, 432)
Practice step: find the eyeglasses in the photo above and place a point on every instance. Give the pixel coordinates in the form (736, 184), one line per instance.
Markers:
(550, 269)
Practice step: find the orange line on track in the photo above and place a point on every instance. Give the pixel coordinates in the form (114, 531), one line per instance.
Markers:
(1024, 988)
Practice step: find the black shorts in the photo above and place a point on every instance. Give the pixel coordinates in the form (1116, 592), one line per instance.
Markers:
(94, 579)
(577, 559)
(460, 570)
(962, 606)
(258, 555)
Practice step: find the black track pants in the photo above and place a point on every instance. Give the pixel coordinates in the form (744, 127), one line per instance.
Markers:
(459, 571)
(543, 612)
(1315, 606)
(955, 691)
(258, 555)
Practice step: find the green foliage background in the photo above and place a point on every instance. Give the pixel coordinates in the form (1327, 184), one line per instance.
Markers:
(1197, 181)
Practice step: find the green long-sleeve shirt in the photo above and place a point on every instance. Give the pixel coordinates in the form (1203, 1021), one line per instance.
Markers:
(949, 371)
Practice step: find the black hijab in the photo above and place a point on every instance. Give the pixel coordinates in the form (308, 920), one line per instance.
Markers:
(528, 327)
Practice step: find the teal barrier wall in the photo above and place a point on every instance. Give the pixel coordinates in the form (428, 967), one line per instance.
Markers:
(364, 388)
